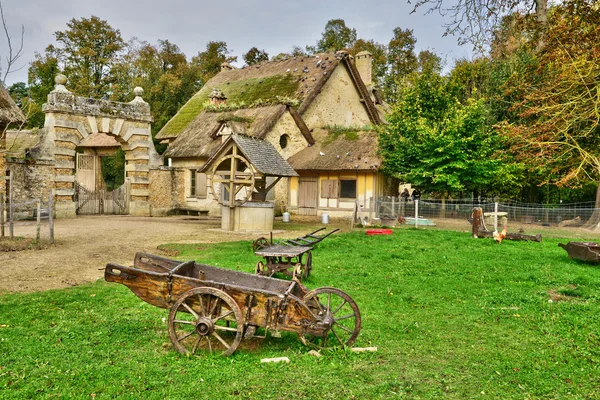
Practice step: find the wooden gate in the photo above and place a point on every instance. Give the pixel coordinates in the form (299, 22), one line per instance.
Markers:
(90, 202)
(308, 195)
(86, 171)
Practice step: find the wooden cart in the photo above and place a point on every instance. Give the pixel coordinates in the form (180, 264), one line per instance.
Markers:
(585, 251)
(289, 260)
(213, 308)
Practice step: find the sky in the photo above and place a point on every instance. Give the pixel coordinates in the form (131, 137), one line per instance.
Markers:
(273, 26)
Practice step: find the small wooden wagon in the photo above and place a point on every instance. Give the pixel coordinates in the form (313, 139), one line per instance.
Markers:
(292, 257)
(214, 308)
(585, 251)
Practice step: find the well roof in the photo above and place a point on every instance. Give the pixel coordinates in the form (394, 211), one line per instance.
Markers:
(354, 151)
(9, 112)
(260, 153)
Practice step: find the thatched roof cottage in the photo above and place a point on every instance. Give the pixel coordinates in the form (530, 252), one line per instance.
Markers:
(9, 114)
(319, 112)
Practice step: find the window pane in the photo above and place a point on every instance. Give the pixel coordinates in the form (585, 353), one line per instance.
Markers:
(348, 189)
(192, 182)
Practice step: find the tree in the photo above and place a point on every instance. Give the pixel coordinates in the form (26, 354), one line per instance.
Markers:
(209, 61)
(255, 56)
(336, 36)
(401, 61)
(559, 124)
(13, 53)
(442, 145)
(87, 51)
(474, 21)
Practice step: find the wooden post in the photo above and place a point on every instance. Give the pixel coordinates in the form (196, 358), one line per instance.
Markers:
(477, 215)
(496, 216)
(1, 214)
(393, 206)
(51, 216)
(39, 224)
(370, 209)
(11, 216)
(417, 213)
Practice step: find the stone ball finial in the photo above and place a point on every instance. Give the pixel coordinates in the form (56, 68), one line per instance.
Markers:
(60, 79)
(138, 91)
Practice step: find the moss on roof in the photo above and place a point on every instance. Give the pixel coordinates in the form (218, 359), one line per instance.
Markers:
(245, 91)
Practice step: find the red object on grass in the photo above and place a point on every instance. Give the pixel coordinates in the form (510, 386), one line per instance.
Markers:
(371, 232)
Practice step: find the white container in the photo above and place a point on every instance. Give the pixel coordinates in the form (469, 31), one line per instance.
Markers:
(324, 218)
(286, 217)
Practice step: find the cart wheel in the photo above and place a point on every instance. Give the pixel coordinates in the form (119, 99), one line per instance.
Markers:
(338, 312)
(308, 266)
(299, 272)
(260, 243)
(206, 319)
(260, 268)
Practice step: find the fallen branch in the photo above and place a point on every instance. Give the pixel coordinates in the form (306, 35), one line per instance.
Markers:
(511, 236)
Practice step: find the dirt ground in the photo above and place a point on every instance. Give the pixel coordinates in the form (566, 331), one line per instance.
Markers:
(85, 244)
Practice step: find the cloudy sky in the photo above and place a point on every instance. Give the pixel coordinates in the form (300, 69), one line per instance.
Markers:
(274, 26)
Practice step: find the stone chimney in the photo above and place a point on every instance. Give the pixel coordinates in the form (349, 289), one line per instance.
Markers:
(225, 66)
(364, 65)
(217, 97)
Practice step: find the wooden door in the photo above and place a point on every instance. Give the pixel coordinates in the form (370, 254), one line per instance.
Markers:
(308, 195)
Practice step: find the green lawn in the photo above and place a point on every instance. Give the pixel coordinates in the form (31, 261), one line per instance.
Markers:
(452, 317)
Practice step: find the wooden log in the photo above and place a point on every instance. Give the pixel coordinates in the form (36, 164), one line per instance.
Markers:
(512, 236)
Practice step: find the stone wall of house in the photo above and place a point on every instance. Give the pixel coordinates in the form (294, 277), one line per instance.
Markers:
(30, 180)
(166, 190)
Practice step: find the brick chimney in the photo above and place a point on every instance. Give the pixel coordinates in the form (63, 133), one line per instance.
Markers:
(217, 97)
(225, 66)
(364, 65)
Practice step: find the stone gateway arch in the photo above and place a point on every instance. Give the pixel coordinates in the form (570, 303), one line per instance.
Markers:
(70, 120)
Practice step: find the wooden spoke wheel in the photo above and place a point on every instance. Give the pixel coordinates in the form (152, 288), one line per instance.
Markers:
(206, 319)
(308, 265)
(339, 315)
(232, 174)
(260, 243)
(260, 269)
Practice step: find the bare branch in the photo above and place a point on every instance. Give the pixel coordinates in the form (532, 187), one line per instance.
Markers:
(13, 56)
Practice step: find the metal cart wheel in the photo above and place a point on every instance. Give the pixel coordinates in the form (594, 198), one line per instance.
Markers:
(260, 243)
(338, 312)
(206, 319)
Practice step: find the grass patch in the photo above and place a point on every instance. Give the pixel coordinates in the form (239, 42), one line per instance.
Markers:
(453, 317)
(349, 132)
(16, 244)
(247, 91)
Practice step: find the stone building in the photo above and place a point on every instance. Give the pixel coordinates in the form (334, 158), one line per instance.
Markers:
(320, 113)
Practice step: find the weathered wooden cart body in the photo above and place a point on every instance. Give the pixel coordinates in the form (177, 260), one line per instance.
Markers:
(214, 308)
(585, 251)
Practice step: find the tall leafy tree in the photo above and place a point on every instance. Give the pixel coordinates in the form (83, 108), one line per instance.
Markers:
(209, 61)
(442, 145)
(88, 50)
(336, 36)
(401, 61)
(255, 56)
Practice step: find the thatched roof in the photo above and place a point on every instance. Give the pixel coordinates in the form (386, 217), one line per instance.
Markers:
(346, 151)
(261, 154)
(9, 112)
(18, 142)
(199, 139)
(296, 79)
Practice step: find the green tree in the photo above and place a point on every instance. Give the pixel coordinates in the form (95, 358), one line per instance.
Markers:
(255, 56)
(439, 144)
(401, 61)
(88, 50)
(209, 61)
(336, 36)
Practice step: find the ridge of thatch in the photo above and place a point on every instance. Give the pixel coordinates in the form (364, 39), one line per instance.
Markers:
(199, 138)
(9, 112)
(295, 78)
(356, 151)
